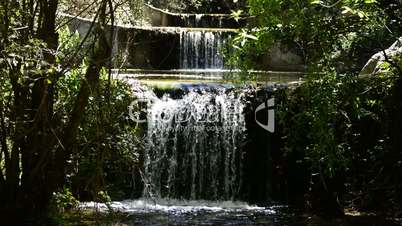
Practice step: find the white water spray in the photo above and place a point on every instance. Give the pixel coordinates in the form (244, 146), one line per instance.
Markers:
(201, 50)
(193, 148)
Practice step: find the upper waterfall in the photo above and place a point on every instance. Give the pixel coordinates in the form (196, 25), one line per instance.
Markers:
(201, 50)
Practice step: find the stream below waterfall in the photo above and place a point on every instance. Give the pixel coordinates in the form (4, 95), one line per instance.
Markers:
(174, 212)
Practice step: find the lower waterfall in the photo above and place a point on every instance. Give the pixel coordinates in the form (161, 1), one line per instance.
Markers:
(193, 149)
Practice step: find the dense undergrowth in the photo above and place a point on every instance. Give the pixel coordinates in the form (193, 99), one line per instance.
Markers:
(340, 132)
(338, 144)
(104, 166)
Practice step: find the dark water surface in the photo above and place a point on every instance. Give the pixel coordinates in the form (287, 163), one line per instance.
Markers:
(173, 212)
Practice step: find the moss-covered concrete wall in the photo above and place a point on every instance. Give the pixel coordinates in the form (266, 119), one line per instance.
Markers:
(136, 47)
(158, 48)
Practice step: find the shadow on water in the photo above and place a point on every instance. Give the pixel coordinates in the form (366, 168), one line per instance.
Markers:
(174, 212)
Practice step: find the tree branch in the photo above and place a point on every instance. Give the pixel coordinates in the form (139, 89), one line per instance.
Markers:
(101, 55)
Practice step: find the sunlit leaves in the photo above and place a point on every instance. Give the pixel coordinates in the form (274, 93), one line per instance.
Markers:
(242, 39)
(310, 25)
(347, 10)
(236, 15)
(67, 39)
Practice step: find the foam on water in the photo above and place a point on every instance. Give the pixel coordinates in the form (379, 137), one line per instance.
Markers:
(178, 206)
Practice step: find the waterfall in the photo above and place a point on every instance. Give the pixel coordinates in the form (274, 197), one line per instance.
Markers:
(201, 50)
(193, 148)
(198, 18)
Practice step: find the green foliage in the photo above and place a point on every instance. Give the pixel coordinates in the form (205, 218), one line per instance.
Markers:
(45, 87)
(102, 196)
(107, 147)
(312, 128)
(320, 116)
(64, 200)
(236, 15)
(68, 40)
(342, 126)
(313, 29)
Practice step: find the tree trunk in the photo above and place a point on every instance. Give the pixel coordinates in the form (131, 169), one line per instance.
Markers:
(35, 167)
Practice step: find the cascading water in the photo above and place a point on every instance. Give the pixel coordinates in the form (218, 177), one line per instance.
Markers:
(193, 146)
(198, 18)
(198, 160)
(201, 50)
(195, 141)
